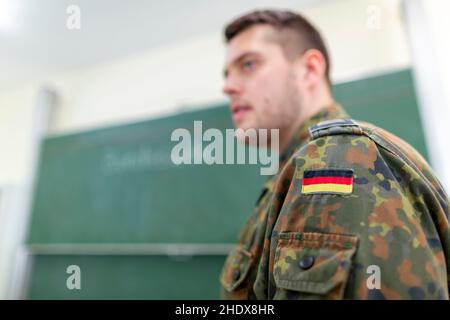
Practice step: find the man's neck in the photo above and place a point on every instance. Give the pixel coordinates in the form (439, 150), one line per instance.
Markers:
(316, 103)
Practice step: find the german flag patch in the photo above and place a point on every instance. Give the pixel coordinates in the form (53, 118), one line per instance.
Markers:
(335, 181)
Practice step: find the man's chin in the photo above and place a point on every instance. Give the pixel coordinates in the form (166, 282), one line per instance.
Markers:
(245, 125)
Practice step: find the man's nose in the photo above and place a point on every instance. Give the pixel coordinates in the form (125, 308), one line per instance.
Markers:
(231, 87)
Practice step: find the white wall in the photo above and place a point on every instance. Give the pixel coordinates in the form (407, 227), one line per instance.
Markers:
(16, 121)
(16, 195)
(364, 36)
(428, 26)
(142, 85)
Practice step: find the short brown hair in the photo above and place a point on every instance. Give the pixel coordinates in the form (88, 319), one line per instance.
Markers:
(303, 35)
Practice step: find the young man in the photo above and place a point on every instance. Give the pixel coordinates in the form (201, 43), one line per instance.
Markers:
(354, 212)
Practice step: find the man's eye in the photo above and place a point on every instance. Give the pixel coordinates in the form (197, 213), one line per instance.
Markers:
(248, 65)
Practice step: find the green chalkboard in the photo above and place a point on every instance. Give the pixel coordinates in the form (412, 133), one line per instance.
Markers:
(117, 186)
(127, 277)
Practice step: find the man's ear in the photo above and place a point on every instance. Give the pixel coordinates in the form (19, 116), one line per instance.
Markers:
(313, 67)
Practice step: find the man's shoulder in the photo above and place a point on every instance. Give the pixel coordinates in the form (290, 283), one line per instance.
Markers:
(367, 149)
(334, 141)
(358, 138)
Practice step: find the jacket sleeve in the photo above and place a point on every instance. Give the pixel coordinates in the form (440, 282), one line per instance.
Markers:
(383, 240)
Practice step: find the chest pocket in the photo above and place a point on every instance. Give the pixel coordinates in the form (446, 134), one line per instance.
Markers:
(312, 265)
(234, 278)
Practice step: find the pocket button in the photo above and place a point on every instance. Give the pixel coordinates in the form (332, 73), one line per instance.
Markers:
(306, 262)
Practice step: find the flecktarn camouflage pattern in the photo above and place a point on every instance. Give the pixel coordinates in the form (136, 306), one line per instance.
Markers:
(350, 198)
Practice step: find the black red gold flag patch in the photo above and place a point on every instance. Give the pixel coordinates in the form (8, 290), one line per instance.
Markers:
(339, 181)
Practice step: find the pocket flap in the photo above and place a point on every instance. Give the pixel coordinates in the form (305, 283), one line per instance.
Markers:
(236, 268)
(314, 263)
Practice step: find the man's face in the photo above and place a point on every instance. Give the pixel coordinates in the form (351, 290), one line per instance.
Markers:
(260, 81)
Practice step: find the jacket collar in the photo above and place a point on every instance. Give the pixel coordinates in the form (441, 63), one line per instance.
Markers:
(301, 135)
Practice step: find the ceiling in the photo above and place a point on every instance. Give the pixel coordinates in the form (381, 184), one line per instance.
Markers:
(34, 38)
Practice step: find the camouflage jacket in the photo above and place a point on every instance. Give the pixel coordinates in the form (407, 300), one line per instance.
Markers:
(354, 213)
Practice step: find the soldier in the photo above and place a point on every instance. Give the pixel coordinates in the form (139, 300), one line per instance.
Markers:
(354, 211)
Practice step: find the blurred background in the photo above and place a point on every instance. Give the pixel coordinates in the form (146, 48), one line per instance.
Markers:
(91, 206)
